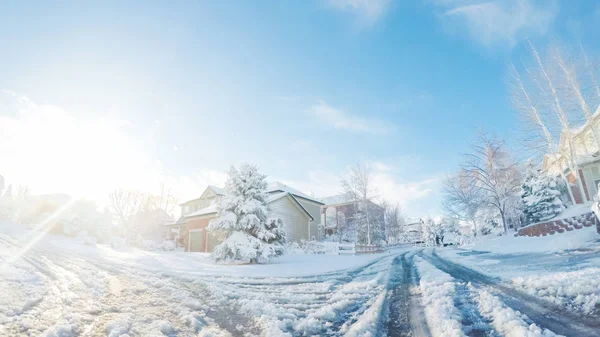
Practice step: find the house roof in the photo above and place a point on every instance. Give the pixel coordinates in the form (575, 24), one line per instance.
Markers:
(336, 199)
(213, 209)
(341, 200)
(276, 186)
(574, 132)
(216, 190)
(276, 196)
(204, 211)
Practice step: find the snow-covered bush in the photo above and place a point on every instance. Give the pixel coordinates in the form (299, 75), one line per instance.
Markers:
(149, 245)
(168, 245)
(312, 247)
(118, 242)
(540, 195)
(243, 218)
(86, 239)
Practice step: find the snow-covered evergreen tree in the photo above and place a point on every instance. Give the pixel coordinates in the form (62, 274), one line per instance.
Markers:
(540, 195)
(243, 218)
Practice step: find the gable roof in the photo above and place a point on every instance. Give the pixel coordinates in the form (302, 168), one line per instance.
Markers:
(342, 200)
(216, 190)
(276, 186)
(213, 209)
(204, 211)
(276, 196)
(336, 199)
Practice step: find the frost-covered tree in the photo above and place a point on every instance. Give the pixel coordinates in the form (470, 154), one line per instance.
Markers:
(358, 186)
(463, 198)
(540, 195)
(434, 232)
(243, 218)
(430, 231)
(394, 222)
(496, 174)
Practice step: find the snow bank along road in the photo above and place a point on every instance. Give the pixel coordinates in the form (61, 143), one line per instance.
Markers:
(48, 292)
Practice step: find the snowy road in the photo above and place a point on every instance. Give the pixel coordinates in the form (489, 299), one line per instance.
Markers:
(59, 292)
(542, 312)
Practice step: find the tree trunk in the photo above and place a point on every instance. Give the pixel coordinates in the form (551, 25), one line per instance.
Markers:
(504, 221)
(368, 223)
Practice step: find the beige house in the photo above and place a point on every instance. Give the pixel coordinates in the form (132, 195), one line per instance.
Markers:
(284, 202)
(585, 153)
(311, 204)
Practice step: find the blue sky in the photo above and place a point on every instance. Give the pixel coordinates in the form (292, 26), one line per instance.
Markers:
(181, 90)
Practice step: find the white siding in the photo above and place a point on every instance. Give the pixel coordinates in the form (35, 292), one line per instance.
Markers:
(296, 221)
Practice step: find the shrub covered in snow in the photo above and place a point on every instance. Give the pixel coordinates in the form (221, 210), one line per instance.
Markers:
(86, 239)
(150, 245)
(243, 217)
(168, 245)
(118, 242)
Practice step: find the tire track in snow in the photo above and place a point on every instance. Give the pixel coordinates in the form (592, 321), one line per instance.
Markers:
(540, 311)
(473, 322)
(73, 288)
(406, 314)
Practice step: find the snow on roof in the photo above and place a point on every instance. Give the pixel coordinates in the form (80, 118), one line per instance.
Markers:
(271, 198)
(206, 210)
(274, 196)
(335, 199)
(277, 186)
(217, 190)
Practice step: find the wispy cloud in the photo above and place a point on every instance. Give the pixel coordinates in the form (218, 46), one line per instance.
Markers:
(342, 120)
(412, 196)
(368, 11)
(501, 22)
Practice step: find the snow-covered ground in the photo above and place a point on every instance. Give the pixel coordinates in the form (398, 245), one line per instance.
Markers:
(61, 287)
(496, 287)
(563, 269)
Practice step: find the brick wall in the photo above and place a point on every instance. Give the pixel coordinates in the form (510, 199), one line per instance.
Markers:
(560, 226)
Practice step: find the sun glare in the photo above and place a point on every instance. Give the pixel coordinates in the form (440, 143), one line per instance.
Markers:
(51, 149)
